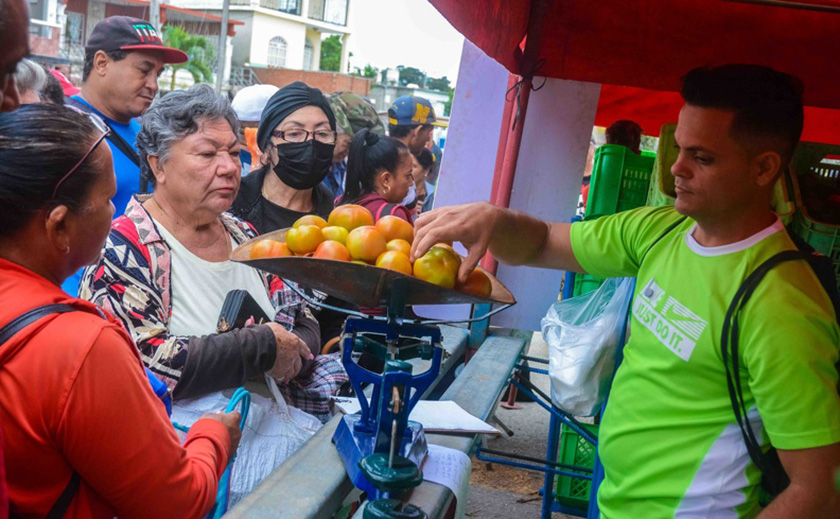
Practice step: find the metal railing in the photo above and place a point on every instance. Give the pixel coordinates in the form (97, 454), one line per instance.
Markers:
(284, 6)
(241, 77)
(329, 11)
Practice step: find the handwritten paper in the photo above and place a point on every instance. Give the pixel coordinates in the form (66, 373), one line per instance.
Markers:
(450, 468)
(435, 415)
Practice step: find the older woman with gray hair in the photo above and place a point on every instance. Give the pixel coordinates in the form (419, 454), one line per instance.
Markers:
(165, 271)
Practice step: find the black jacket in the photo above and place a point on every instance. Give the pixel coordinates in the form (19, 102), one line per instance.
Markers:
(266, 216)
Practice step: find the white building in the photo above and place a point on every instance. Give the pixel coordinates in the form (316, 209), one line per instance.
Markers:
(281, 33)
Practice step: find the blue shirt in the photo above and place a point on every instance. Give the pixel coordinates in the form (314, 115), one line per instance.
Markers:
(128, 177)
(334, 181)
(128, 174)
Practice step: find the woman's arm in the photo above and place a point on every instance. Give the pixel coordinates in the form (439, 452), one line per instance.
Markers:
(190, 366)
(116, 435)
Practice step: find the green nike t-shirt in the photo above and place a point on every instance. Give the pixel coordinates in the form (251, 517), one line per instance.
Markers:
(669, 442)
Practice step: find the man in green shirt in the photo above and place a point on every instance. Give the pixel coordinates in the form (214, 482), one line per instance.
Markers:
(669, 441)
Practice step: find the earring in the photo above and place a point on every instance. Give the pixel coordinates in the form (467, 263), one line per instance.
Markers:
(66, 251)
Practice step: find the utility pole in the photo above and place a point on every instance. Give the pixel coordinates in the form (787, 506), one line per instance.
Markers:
(220, 63)
(154, 14)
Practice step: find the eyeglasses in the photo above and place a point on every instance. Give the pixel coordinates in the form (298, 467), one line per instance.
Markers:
(297, 135)
(102, 127)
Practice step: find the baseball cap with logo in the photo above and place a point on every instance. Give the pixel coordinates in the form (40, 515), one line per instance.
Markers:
(411, 111)
(126, 33)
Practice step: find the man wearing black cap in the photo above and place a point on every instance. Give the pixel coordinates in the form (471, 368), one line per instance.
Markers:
(124, 58)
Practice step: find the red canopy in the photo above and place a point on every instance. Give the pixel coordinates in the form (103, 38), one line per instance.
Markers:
(650, 44)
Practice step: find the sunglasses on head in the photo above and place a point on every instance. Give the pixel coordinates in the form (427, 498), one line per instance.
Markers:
(102, 127)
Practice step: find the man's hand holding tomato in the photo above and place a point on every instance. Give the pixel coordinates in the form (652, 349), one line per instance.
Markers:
(512, 237)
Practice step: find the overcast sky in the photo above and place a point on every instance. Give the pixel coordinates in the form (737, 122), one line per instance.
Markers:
(387, 33)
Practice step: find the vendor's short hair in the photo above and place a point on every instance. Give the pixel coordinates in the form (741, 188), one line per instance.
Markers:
(767, 103)
(176, 116)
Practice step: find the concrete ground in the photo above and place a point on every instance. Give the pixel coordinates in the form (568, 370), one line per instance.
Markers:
(502, 492)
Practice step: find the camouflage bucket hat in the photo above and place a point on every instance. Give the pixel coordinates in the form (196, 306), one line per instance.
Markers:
(353, 113)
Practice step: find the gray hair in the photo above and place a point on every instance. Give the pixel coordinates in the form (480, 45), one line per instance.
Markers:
(177, 115)
(30, 76)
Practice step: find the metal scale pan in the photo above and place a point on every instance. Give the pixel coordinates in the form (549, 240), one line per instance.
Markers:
(362, 285)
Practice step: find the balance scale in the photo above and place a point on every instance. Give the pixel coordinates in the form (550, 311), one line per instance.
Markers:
(382, 450)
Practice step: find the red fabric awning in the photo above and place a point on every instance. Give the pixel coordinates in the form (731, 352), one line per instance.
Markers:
(650, 44)
(651, 109)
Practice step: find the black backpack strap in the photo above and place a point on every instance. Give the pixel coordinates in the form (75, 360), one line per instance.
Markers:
(120, 143)
(62, 504)
(666, 232)
(731, 360)
(24, 320)
(7, 332)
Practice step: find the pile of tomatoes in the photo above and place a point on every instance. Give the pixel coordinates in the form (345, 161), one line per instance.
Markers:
(349, 234)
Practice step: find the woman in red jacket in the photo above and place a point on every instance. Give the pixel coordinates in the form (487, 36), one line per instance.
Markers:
(379, 175)
(78, 415)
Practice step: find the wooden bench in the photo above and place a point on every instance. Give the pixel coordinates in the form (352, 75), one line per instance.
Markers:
(312, 483)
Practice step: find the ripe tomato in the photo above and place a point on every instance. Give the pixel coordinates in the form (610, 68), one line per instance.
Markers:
(335, 233)
(432, 267)
(394, 260)
(332, 250)
(400, 245)
(269, 249)
(310, 219)
(477, 284)
(304, 239)
(365, 243)
(393, 228)
(350, 216)
(451, 259)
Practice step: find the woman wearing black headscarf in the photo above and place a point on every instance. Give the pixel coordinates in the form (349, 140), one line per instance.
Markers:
(297, 136)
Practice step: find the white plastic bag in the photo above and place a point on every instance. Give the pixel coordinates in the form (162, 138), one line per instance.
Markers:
(583, 335)
(273, 432)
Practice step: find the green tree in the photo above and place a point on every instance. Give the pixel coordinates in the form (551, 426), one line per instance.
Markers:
(411, 75)
(369, 72)
(198, 48)
(331, 53)
(447, 106)
(441, 84)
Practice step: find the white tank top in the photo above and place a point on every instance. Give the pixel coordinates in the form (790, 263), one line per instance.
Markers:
(199, 288)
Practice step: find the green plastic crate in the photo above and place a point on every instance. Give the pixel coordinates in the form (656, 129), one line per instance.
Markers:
(815, 174)
(577, 451)
(620, 181)
(584, 283)
(661, 186)
(824, 238)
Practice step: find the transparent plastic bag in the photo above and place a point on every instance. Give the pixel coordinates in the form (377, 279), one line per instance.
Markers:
(273, 431)
(583, 335)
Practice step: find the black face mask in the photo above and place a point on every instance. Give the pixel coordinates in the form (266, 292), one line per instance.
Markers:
(303, 165)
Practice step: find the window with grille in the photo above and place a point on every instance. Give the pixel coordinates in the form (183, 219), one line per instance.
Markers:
(289, 6)
(277, 52)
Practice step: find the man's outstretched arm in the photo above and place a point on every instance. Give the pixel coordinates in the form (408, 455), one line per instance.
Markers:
(811, 491)
(512, 237)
